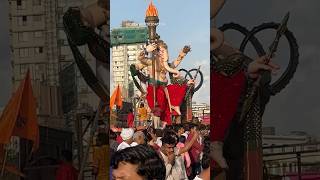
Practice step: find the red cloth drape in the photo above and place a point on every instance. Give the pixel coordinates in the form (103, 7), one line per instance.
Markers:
(224, 98)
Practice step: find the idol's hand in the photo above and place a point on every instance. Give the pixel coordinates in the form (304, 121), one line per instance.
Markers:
(259, 64)
(151, 47)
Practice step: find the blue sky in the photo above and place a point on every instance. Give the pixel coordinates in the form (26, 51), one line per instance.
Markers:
(182, 22)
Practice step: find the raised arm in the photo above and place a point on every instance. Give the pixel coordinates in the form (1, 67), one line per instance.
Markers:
(189, 144)
(182, 54)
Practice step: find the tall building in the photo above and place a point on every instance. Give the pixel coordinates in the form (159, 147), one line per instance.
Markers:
(38, 43)
(200, 110)
(126, 42)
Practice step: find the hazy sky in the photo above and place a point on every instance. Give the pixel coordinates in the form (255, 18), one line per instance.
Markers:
(298, 106)
(182, 22)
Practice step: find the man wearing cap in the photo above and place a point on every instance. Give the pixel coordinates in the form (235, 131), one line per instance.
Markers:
(127, 137)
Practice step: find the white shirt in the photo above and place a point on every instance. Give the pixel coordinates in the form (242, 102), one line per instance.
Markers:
(123, 145)
(197, 178)
(159, 142)
(178, 170)
(134, 144)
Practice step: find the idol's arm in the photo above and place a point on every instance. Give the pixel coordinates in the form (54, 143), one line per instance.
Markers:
(182, 54)
(143, 61)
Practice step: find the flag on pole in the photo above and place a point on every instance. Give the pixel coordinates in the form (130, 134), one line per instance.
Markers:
(116, 98)
(19, 117)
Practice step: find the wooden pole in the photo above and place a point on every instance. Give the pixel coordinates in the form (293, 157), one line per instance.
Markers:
(155, 83)
(4, 161)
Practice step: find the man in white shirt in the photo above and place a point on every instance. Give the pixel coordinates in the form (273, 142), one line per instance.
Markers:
(126, 135)
(175, 168)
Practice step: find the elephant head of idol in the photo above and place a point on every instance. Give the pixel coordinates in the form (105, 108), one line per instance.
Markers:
(163, 46)
(216, 37)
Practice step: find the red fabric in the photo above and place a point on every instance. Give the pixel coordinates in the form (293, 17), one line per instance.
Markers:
(66, 172)
(119, 139)
(177, 93)
(225, 95)
(162, 102)
(130, 120)
(195, 149)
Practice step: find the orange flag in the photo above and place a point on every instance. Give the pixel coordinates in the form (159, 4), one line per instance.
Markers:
(116, 98)
(19, 117)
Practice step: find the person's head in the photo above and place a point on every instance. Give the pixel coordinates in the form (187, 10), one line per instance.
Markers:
(179, 129)
(141, 105)
(205, 162)
(182, 139)
(168, 127)
(186, 127)
(66, 156)
(127, 134)
(137, 163)
(193, 127)
(162, 45)
(159, 132)
(139, 137)
(102, 139)
(169, 141)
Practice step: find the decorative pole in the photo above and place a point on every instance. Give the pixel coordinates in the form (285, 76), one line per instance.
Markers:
(152, 21)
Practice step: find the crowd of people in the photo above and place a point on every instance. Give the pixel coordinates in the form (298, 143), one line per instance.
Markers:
(177, 152)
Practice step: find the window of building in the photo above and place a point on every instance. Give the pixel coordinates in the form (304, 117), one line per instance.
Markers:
(31, 52)
(39, 50)
(19, 21)
(36, 2)
(24, 20)
(23, 52)
(22, 37)
(37, 18)
(22, 69)
(21, 4)
(38, 34)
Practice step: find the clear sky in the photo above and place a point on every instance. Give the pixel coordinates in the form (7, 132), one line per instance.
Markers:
(182, 22)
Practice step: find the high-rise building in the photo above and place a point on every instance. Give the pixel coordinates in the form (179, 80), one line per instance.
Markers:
(126, 42)
(200, 110)
(39, 44)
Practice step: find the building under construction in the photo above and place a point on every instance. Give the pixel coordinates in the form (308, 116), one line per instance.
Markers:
(126, 42)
